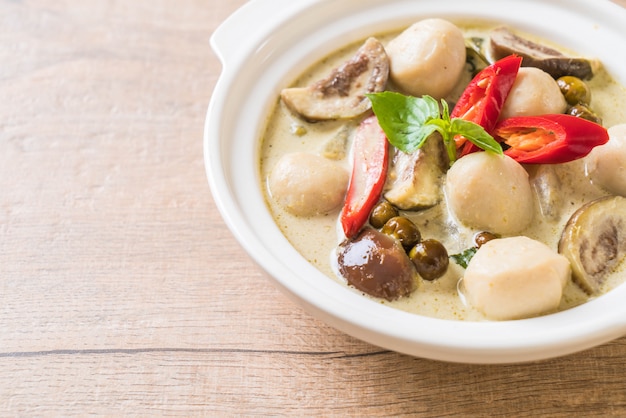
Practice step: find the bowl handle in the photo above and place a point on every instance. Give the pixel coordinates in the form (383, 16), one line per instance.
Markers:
(247, 24)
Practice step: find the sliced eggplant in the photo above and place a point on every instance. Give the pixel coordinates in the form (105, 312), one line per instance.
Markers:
(547, 186)
(594, 241)
(414, 180)
(336, 148)
(341, 95)
(475, 56)
(504, 43)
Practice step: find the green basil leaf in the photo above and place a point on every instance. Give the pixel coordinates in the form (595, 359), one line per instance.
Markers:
(403, 118)
(443, 127)
(476, 134)
(465, 257)
(445, 112)
(408, 121)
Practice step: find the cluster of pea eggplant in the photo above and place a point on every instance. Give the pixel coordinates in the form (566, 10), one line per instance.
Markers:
(389, 255)
(578, 97)
(429, 256)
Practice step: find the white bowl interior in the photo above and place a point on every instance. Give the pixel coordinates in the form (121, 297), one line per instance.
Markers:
(258, 65)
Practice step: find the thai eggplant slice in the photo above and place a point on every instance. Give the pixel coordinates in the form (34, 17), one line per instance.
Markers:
(504, 43)
(594, 241)
(341, 95)
(547, 186)
(414, 180)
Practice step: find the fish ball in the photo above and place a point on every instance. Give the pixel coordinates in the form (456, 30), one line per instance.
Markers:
(307, 185)
(515, 277)
(428, 58)
(490, 192)
(534, 93)
(606, 164)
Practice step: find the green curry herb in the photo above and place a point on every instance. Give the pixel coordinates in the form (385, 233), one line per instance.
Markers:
(463, 259)
(408, 121)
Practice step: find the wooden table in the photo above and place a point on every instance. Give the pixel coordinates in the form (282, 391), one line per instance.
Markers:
(121, 290)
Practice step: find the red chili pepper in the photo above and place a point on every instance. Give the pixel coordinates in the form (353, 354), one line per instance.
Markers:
(484, 96)
(370, 159)
(549, 139)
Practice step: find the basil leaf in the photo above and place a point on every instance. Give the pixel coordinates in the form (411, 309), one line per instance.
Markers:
(465, 257)
(408, 121)
(445, 112)
(403, 118)
(476, 134)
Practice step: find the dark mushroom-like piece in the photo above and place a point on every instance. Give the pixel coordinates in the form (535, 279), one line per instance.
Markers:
(594, 241)
(504, 42)
(377, 264)
(341, 95)
(414, 180)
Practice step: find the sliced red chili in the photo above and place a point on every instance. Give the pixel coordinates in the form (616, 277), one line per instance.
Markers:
(369, 170)
(549, 139)
(483, 98)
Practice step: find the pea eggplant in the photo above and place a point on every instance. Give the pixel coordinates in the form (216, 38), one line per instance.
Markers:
(549, 139)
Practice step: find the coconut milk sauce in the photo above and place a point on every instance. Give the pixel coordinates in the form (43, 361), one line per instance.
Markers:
(317, 238)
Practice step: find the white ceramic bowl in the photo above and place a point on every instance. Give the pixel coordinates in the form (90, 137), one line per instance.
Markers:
(264, 45)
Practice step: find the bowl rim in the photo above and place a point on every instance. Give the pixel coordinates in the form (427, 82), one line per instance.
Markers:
(242, 55)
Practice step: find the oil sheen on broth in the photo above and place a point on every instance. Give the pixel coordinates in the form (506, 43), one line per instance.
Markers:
(316, 238)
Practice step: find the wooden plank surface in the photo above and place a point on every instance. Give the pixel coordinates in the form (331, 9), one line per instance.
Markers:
(121, 290)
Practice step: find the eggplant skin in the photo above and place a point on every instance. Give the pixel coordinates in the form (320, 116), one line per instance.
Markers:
(414, 180)
(342, 93)
(503, 43)
(594, 241)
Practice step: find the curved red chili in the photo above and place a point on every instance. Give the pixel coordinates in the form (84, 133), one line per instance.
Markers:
(549, 139)
(369, 171)
(483, 98)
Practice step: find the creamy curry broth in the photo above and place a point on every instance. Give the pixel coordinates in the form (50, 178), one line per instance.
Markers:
(316, 238)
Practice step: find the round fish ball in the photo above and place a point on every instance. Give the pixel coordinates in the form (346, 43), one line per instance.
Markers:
(490, 192)
(517, 277)
(307, 184)
(534, 92)
(606, 164)
(428, 58)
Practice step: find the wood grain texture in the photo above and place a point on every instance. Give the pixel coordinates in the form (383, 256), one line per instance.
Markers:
(121, 290)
